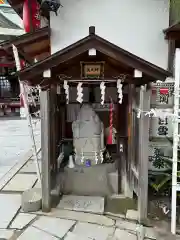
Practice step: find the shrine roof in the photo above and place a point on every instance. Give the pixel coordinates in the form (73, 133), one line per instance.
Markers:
(172, 32)
(121, 56)
(29, 44)
(17, 5)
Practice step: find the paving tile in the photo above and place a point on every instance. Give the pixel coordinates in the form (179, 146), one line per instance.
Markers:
(14, 147)
(30, 167)
(122, 234)
(54, 226)
(150, 233)
(79, 216)
(5, 169)
(6, 234)
(73, 236)
(9, 205)
(115, 216)
(125, 225)
(82, 203)
(21, 183)
(2, 175)
(38, 184)
(132, 214)
(32, 233)
(93, 231)
(22, 220)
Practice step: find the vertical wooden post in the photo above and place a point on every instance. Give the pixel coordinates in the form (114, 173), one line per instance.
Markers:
(30, 15)
(143, 155)
(131, 131)
(53, 126)
(45, 149)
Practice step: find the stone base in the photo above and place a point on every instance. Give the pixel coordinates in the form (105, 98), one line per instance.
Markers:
(31, 200)
(82, 204)
(126, 188)
(98, 180)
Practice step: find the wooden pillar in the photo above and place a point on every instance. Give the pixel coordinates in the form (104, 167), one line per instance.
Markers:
(53, 126)
(45, 149)
(143, 155)
(130, 131)
(30, 15)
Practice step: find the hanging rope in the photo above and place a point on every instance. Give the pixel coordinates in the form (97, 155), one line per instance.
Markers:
(110, 136)
(28, 116)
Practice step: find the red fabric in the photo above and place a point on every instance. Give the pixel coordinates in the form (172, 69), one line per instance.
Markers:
(27, 14)
(164, 91)
(110, 137)
(22, 62)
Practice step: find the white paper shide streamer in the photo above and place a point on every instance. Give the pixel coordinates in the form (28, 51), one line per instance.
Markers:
(154, 112)
(101, 156)
(119, 89)
(96, 157)
(103, 88)
(79, 93)
(66, 88)
(27, 114)
(82, 157)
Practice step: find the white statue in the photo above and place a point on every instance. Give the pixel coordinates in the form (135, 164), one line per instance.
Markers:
(88, 136)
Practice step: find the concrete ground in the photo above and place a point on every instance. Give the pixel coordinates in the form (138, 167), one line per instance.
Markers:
(15, 141)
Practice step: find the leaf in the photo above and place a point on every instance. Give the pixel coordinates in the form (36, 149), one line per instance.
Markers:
(158, 186)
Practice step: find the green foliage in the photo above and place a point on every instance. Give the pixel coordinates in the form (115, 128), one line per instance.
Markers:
(174, 11)
(160, 182)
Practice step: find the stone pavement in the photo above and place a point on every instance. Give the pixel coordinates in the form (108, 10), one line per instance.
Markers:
(15, 141)
(59, 223)
(71, 225)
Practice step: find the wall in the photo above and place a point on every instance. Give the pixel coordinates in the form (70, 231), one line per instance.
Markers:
(135, 25)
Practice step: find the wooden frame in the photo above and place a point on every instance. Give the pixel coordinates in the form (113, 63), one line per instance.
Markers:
(143, 155)
(46, 149)
(118, 54)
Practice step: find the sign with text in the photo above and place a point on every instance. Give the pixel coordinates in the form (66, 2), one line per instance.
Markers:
(92, 70)
(162, 94)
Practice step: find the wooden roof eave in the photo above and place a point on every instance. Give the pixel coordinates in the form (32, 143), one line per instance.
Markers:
(27, 38)
(102, 45)
(172, 32)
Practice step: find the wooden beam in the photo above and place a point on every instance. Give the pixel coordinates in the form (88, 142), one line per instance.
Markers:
(27, 38)
(143, 155)
(131, 142)
(30, 15)
(25, 56)
(52, 62)
(53, 127)
(46, 149)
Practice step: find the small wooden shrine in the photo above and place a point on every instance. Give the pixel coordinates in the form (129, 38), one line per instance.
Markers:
(90, 93)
